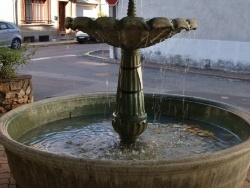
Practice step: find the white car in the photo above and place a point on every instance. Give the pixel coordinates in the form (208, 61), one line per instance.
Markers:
(10, 35)
(82, 37)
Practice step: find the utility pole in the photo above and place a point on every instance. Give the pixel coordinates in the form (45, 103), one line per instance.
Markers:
(112, 12)
(16, 12)
(112, 49)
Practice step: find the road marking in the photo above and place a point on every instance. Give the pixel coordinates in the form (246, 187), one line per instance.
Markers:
(61, 76)
(61, 56)
(44, 58)
(99, 57)
(91, 63)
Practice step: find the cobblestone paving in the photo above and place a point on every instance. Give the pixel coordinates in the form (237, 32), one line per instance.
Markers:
(7, 181)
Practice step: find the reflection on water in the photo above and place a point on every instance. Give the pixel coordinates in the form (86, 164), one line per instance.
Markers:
(94, 138)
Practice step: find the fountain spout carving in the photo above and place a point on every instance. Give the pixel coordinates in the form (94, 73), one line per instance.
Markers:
(130, 34)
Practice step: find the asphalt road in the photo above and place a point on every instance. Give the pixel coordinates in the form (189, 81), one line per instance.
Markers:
(66, 69)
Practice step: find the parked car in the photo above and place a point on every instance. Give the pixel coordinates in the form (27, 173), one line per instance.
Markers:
(10, 35)
(82, 37)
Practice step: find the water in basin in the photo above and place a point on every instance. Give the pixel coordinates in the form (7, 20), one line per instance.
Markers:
(93, 137)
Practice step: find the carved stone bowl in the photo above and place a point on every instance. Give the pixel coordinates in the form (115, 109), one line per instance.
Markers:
(131, 32)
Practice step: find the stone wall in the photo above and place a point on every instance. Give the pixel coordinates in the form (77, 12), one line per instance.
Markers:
(15, 92)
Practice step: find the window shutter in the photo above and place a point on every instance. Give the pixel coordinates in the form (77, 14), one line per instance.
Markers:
(22, 6)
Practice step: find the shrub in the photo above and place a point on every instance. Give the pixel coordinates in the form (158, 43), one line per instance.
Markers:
(11, 59)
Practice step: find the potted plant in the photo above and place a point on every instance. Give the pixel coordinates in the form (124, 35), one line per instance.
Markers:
(15, 89)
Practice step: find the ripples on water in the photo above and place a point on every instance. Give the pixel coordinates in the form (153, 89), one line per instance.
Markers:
(94, 138)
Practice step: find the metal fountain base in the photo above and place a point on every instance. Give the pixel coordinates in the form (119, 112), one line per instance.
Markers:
(32, 168)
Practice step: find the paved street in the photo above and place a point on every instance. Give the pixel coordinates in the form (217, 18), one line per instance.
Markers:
(68, 69)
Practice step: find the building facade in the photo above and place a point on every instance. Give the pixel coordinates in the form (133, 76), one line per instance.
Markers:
(222, 40)
(43, 20)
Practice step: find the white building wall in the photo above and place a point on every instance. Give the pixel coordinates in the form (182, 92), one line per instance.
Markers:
(104, 7)
(54, 12)
(222, 39)
(86, 11)
(92, 10)
(7, 10)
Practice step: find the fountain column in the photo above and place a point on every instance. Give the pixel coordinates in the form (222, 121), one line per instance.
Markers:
(129, 118)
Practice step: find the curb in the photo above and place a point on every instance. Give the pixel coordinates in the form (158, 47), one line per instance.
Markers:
(51, 43)
(187, 70)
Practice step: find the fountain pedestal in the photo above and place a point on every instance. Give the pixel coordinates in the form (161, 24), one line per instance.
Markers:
(129, 119)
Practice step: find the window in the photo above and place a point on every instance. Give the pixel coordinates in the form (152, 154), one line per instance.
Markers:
(36, 11)
(4, 26)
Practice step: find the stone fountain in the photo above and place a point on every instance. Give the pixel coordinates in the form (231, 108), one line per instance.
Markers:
(130, 34)
(34, 168)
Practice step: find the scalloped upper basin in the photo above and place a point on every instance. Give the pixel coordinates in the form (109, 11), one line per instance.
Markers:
(131, 33)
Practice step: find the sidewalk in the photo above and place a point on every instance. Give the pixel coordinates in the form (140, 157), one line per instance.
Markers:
(7, 181)
(53, 43)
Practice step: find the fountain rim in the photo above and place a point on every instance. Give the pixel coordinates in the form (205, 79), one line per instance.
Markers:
(35, 154)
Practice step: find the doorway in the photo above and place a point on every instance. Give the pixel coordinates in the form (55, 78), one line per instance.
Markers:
(62, 7)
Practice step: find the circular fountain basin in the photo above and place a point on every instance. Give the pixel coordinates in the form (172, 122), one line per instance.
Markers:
(36, 168)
